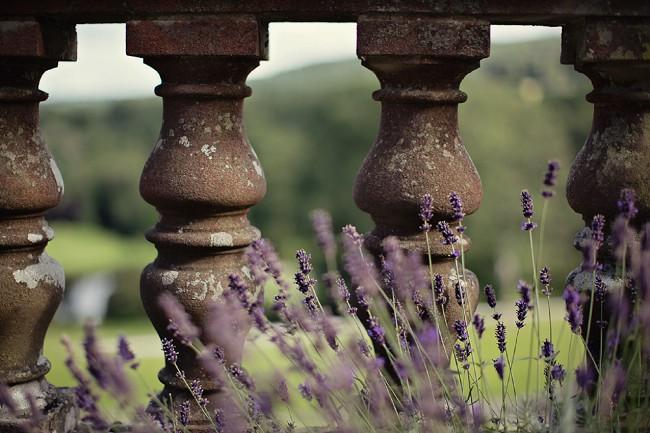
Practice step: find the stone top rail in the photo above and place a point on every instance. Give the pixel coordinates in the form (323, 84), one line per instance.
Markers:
(550, 12)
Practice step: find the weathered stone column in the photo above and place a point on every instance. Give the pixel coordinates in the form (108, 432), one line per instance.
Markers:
(616, 154)
(420, 62)
(202, 175)
(31, 282)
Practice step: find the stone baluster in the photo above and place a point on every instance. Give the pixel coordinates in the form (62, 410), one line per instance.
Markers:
(420, 62)
(616, 154)
(31, 282)
(202, 175)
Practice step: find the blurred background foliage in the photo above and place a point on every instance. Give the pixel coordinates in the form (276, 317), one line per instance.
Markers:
(311, 129)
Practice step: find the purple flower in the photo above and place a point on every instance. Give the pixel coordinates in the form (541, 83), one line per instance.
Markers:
(598, 228)
(526, 204)
(573, 308)
(426, 212)
(448, 237)
(344, 295)
(545, 280)
(500, 334)
(238, 288)
(219, 420)
(522, 310)
(197, 390)
(305, 391)
(376, 332)
(180, 323)
(322, 223)
(548, 352)
(462, 353)
(491, 296)
(459, 292)
(550, 178)
(461, 330)
(439, 290)
(184, 413)
(500, 366)
(626, 204)
(479, 325)
(283, 390)
(363, 272)
(527, 210)
(123, 349)
(239, 374)
(304, 282)
(351, 233)
(600, 289)
(169, 350)
(457, 206)
(558, 372)
(329, 331)
(584, 378)
(524, 291)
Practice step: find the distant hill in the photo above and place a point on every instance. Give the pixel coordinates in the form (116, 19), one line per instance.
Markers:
(312, 128)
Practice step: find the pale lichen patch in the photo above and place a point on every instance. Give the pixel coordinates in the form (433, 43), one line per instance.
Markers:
(208, 150)
(168, 277)
(47, 270)
(258, 168)
(49, 232)
(57, 176)
(221, 239)
(184, 141)
(34, 237)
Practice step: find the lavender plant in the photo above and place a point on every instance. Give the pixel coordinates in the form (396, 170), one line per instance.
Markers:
(393, 360)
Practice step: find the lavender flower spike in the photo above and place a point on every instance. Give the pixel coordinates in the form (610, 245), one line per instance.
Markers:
(457, 206)
(439, 291)
(500, 334)
(426, 212)
(461, 330)
(545, 280)
(169, 350)
(573, 308)
(548, 352)
(180, 324)
(500, 366)
(448, 237)
(304, 282)
(490, 296)
(626, 204)
(550, 178)
(322, 223)
(598, 228)
(522, 310)
(123, 349)
(479, 325)
(527, 211)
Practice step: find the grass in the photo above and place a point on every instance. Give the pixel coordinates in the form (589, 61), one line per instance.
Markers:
(83, 249)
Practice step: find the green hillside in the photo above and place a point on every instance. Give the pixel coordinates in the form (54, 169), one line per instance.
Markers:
(312, 128)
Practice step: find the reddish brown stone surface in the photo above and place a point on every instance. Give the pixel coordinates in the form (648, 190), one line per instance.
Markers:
(615, 55)
(420, 63)
(202, 175)
(497, 11)
(31, 282)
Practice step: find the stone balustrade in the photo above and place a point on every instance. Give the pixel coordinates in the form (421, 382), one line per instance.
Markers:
(203, 175)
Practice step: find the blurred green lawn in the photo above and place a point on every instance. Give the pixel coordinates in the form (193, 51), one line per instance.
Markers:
(85, 248)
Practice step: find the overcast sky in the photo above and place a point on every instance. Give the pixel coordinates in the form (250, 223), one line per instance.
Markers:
(104, 71)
